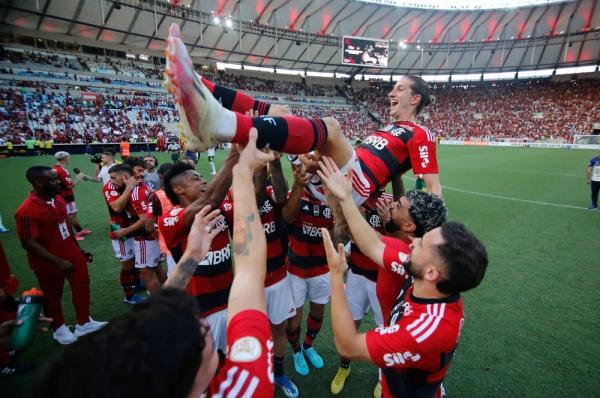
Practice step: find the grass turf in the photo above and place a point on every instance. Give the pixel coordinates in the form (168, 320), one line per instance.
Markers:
(531, 327)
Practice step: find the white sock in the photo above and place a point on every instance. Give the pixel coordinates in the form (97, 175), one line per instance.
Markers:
(1, 225)
(212, 167)
(226, 125)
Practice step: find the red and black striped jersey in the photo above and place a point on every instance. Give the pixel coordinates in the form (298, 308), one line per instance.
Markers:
(212, 279)
(395, 149)
(275, 230)
(306, 254)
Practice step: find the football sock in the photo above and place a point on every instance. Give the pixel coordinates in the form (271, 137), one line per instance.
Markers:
(344, 363)
(289, 134)
(128, 279)
(279, 361)
(235, 100)
(313, 326)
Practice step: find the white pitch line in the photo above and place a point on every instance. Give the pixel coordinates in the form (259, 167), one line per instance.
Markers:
(535, 202)
(489, 195)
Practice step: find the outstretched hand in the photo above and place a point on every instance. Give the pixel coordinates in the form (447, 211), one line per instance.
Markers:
(252, 157)
(338, 184)
(336, 259)
(202, 232)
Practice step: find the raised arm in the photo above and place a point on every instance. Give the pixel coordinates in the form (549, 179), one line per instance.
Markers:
(217, 189)
(249, 241)
(432, 182)
(398, 187)
(280, 187)
(120, 204)
(290, 210)
(348, 342)
(340, 186)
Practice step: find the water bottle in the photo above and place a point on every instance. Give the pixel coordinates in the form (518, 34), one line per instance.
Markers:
(115, 227)
(28, 312)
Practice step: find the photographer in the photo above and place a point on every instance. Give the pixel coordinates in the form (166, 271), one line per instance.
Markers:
(103, 163)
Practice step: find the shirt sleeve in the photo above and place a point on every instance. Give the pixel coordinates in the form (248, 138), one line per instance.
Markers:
(422, 152)
(27, 226)
(140, 202)
(394, 347)
(395, 254)
(172, 227)
(110, 195)
(65, 180)
(248, 369)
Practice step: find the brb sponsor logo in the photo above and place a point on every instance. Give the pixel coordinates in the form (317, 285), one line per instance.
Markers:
(311, 230)
(424, 155)
(217, 256)
(376, 142)
(400, 358)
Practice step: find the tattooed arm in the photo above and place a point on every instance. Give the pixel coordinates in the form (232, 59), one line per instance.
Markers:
(201, 235)
(249, 241)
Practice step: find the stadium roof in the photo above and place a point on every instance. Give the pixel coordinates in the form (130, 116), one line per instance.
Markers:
(303, 34)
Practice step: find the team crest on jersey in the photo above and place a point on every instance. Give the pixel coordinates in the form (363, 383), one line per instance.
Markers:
(245, 349)
(375, 221)
(227, 206)
(176, 211)
(327, 212)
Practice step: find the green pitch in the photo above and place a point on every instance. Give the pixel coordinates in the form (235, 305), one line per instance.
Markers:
(531, 328)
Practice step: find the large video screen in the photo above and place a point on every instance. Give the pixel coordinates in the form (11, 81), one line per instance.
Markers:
(365, 52)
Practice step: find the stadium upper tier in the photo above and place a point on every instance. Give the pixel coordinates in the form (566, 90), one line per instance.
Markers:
(77, 98)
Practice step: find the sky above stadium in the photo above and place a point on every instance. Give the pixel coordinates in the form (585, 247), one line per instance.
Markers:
(464, 4)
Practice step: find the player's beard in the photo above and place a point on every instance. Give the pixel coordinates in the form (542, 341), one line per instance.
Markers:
(410, 269)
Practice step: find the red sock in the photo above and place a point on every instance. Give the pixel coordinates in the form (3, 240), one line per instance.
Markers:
(288, 134)
(236, 100)
(313, 327)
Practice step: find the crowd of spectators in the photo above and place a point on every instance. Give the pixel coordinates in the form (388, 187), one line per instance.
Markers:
(355, 124)
(505, 111)
(516, 110)
(64, 118)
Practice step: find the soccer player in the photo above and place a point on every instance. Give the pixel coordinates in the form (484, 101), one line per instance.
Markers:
(116, 194)
(211, 160)
(166, 336)
(146, 247)
(189, 192)
(66, 191)
(593, 178)
(307, 266)
(418, 343)
(278, 289)
(383, 157)
(53, 254)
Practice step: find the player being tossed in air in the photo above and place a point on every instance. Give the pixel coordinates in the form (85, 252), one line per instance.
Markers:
(383, 157)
